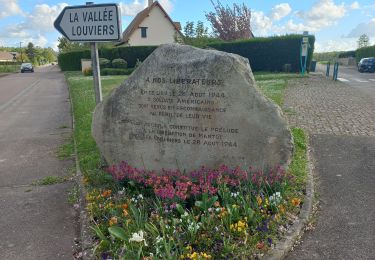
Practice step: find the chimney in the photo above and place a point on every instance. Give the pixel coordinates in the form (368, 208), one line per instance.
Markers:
(150, 2)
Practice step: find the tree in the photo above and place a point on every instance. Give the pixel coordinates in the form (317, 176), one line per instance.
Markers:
(30, 52)
(65, 45)
(189, 30)
(197, 35)
(230, 23)
(363, 41)
(200, 30)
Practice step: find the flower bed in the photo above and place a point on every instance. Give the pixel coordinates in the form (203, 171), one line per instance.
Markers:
(133, 220)
(204, 214)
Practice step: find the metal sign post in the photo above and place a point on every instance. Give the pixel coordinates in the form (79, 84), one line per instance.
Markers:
(91, 23)
(304, 51)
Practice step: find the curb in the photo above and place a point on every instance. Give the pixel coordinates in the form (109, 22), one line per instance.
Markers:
(285, 245)
(84, 228)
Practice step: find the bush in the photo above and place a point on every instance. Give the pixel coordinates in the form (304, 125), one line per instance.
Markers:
(271, 53)
(114, 71)
(72, 60)
(132, 54)
(365, 52)
(119, 63)
(347, 54)
(104, 63)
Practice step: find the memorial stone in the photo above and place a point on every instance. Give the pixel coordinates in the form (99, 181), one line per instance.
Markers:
(184, 108)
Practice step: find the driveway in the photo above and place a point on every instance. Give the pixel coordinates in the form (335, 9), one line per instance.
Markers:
(36, 222)
(340, 120)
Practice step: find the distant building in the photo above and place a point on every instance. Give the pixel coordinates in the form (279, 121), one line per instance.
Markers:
(8, 56)
(152, 26)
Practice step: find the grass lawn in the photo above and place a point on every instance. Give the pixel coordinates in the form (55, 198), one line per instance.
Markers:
(236, 216)
(9, 68)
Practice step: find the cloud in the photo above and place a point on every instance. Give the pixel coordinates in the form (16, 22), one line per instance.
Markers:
(280, 11)
(363, 28)
(167, 5)
(34, 25)
(42, 17)
(260, 23)
(136, 6)
(355, 5)
(131, 9)
(9, 8)
(336, 45)
(324, 13)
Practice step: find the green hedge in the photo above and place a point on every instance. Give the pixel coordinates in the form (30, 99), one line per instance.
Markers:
(271, 53)
(72, 60)
(365, 52)
(5, 63)
(110, 71)
(347, 54)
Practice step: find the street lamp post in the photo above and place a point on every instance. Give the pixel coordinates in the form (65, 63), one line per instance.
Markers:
(21, 51)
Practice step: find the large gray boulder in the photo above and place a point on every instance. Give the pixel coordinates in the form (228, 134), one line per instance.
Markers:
(184, 108)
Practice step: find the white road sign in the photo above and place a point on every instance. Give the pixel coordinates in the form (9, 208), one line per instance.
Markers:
(90, 23)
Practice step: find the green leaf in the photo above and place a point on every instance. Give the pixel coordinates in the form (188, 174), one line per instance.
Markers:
(180, 209)
(99, 233)
(118, 233)
(212, 200)
(150, 227)
(199, 204)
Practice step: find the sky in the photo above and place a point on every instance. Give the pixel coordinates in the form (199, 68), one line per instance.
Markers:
(336, 24)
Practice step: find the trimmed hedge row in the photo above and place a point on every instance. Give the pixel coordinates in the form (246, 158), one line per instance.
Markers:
(365, 52)
(347, 54)
(110, 71)
(271, 53)
(5, 63)
(72, 60)
(265, 54)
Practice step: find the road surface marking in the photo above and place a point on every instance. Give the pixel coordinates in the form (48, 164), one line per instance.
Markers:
(372, 79)
(18, 96)
(342, 79)
(361, 81)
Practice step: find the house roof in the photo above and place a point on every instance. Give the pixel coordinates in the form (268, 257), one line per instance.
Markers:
(5, 55)
(141, 16)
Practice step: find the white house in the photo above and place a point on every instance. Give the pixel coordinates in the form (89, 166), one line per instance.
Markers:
(152, 26)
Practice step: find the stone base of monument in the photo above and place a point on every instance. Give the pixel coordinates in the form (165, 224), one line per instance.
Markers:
(184, 108)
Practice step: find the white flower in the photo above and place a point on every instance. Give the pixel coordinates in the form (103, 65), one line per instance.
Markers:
(234, 194)
(138, 237)
(276, 198)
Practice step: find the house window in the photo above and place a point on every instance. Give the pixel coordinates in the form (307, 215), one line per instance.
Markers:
(144, 32)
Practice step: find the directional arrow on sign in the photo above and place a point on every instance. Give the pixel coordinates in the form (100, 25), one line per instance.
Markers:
(90, 23)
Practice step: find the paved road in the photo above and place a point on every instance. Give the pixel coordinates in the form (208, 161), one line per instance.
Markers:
(340, 120)
(36, 222)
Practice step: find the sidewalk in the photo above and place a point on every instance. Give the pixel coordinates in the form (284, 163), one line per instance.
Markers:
(36, 221)
(340, 121)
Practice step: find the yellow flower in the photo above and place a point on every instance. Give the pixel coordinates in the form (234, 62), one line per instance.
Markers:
(113, 221)
(259, 200)
(189, 248)
(193, 256)
(281, 209)
(296, 202)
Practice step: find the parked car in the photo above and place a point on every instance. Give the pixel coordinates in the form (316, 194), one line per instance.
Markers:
(27, 67)
(366, 65)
